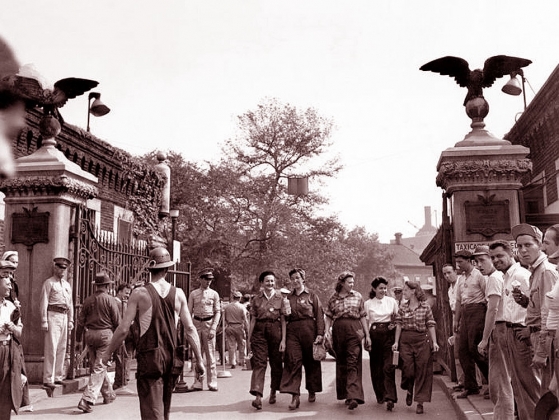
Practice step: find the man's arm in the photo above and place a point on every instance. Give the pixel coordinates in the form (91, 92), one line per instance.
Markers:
(490, 315)
(188, 325)
(121, 332)
(45, 291)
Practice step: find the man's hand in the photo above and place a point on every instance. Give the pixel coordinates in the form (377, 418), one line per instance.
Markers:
(211, 334)
(520, 297)
(70, 325)
(318, 339)
(522, 334)
(45, 326)
(539, 362)
(456, 327)
(200, 368)
(482, 348)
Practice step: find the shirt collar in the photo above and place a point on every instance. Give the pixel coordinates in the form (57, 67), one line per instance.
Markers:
(542, 257)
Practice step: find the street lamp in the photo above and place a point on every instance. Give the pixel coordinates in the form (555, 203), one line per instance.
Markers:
(174, 216)
(512, 87)
(97, 108)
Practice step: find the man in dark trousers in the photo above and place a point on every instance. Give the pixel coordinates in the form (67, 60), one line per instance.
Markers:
(99, 317)
(159, 357)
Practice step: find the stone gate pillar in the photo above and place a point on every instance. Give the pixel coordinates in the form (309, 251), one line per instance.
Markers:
(41, 204)
(482, 176)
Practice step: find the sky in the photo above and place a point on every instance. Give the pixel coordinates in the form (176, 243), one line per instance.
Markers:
(177, 73)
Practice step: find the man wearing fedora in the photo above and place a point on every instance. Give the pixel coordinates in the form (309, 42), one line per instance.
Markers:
(57, 318)
(160, 359)
(99, 317)
(205, 306)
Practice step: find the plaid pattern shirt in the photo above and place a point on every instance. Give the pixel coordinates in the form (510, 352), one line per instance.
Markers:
(350, 306)
(418, 319)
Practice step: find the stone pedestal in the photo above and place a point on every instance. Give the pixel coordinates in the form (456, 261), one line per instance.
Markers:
(41, 204)
(482, 175)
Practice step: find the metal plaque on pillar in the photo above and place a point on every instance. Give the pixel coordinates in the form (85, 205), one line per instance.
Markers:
(487, 216)
(30, 227)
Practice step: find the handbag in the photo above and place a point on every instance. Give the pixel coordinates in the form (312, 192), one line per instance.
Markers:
(318, 352)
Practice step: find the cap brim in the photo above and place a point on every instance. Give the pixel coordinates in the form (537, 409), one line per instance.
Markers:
(162, 265)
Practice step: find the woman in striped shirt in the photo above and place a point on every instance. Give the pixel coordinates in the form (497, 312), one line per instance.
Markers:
(417, 340)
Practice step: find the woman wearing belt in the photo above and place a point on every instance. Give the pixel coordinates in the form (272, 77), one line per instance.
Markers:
(381, 312)
(346, 314)
(304, 328)
(266, 338)
(417, 339)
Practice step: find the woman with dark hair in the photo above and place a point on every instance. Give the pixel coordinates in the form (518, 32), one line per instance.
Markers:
(381, 313)
(417, 340)
(305, 326)
(346, 314)
(266, 338)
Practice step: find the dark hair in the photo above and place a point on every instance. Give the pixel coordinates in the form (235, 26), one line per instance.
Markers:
(297, 270)
(264, 274)
(449, 265)
(123, 286)
(377, 281)
(342, 278)
(417, 290)
(501, 243)
(555, 228)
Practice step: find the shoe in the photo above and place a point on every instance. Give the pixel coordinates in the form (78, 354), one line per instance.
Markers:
(295, 401)
(389, 405)
(27, 408)
(272, 399)
(59, 382)
(85, 406)
(409, 399)
(458, 388)
(347, 402)
(109, 398)
(196, 386)
(465, 393)
(352, 405)
(257, 403)
(233, 366)
(212, 388)
(380, 400)
(486, 395)
(49, 385)
(312, 397)
(419, 409)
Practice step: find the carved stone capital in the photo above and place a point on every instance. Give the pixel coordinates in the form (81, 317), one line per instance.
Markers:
(455, 174)
(47, 186)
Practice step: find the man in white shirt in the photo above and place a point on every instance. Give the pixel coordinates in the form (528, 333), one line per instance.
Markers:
(451, 277)
(517, 349)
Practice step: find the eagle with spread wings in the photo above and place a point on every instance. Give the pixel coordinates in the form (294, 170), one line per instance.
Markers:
(49, 99)
(475, 80)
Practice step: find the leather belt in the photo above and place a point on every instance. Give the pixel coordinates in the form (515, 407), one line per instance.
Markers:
(514, 325)
(197, 318)
(379, 325)
(5, 342)
(57, 308)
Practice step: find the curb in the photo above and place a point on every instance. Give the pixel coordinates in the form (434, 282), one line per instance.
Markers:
(465, 408)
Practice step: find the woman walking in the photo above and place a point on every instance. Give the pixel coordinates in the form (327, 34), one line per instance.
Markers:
(266, 338)
(381, 313)
(346, 314)
(417, 340)
(305, 327)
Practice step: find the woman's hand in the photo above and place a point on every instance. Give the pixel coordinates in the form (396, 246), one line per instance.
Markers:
(282, 346)
(435, 347)
(368, 343)
(395, 347)
(318, 339)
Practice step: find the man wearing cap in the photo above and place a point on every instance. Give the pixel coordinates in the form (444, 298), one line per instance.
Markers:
(99, 317)
(517, 358)
(57, 318)
(156, 306)
(451, 277)
(469, 321)
(205, 306)
(10, 376)
(235, 315)
(543, 278)
(550, 244)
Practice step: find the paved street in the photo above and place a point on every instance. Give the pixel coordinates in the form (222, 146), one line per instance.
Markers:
(232, 401)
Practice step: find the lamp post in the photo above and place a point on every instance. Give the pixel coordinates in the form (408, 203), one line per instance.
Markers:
(512, 87)
(97, 108)
(174, 213)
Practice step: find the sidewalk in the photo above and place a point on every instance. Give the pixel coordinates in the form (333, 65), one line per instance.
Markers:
(475, 407)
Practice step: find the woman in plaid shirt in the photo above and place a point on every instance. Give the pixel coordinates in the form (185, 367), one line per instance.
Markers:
(415, 331)
(346, 314)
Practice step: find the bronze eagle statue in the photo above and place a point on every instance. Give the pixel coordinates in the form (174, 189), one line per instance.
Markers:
(475, 80)
(49, 99)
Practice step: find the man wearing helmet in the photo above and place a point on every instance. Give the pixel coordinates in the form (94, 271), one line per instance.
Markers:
(153, 308)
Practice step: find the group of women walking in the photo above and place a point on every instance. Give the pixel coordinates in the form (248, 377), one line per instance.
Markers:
(293, 325)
